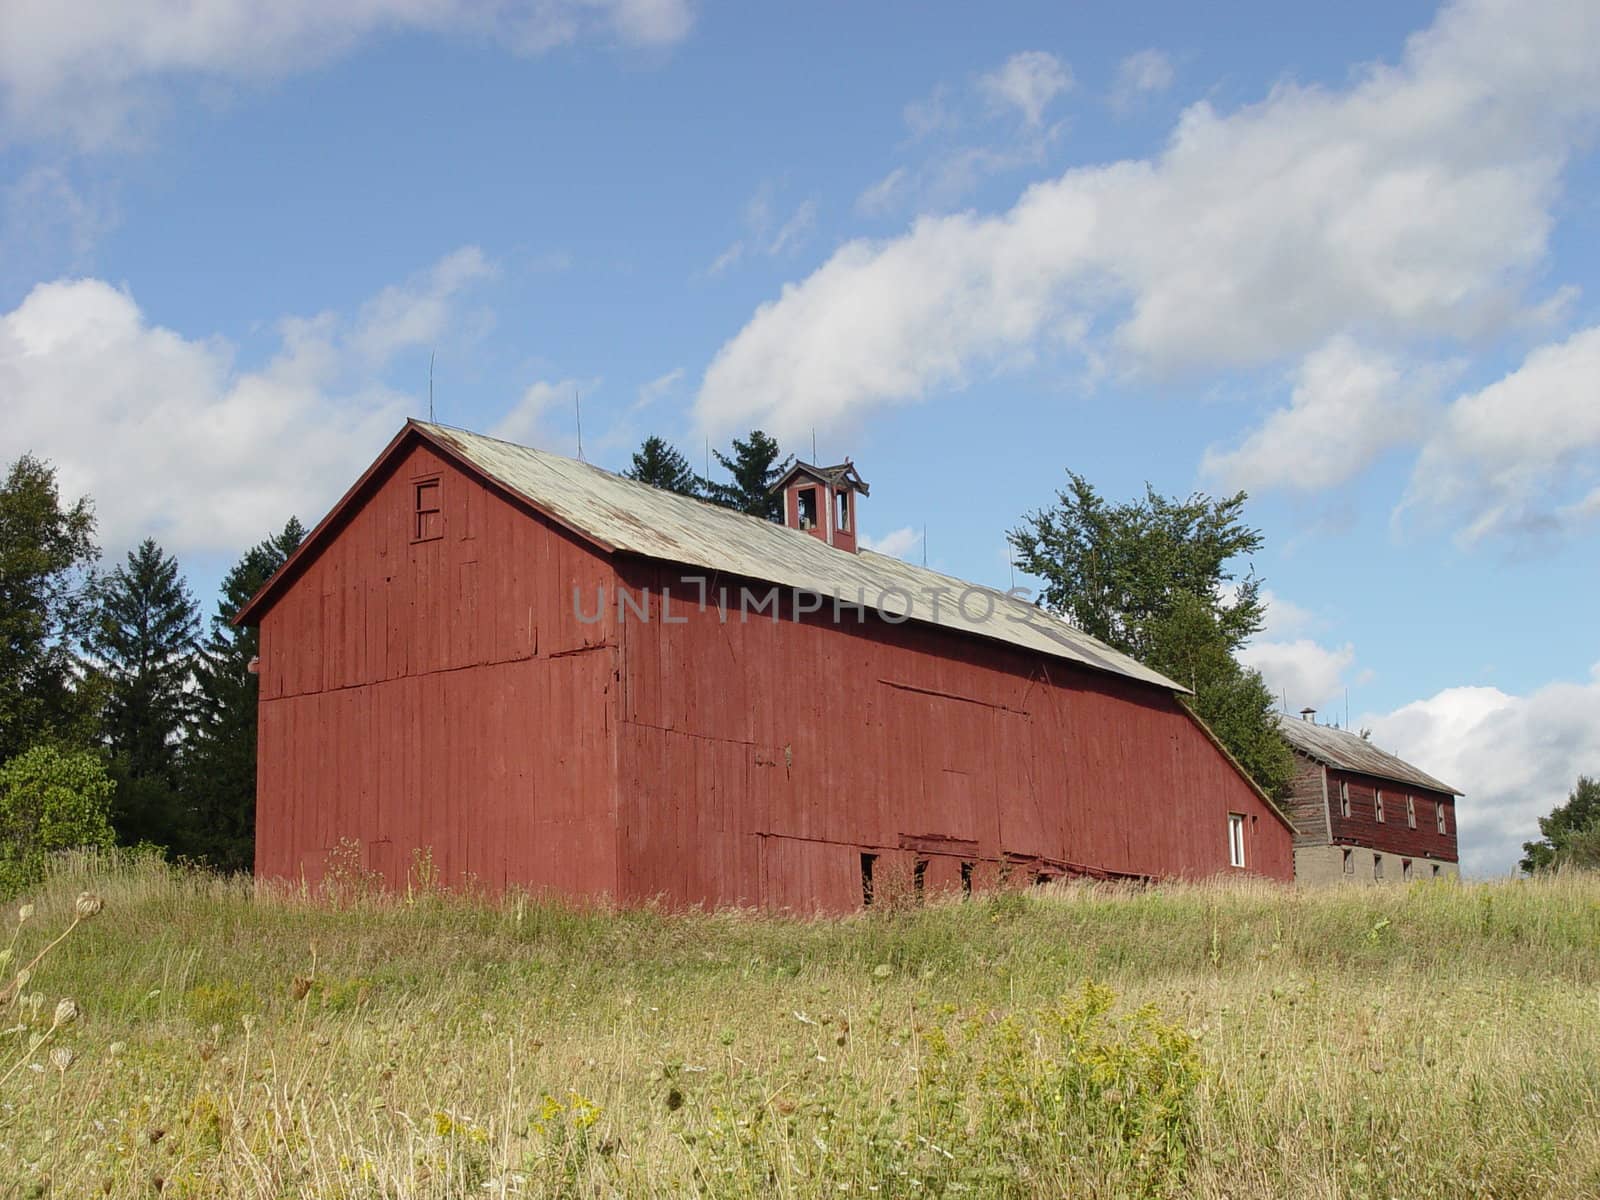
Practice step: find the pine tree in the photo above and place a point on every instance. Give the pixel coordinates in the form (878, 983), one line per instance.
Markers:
(144, 642)
(659, 464)
(220, 767)
(1152, 579)
(755, 467)
(47, 556)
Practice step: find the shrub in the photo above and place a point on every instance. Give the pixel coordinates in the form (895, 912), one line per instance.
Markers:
(50, 800)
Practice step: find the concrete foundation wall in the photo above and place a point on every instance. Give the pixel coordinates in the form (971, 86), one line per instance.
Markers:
(1322, 866)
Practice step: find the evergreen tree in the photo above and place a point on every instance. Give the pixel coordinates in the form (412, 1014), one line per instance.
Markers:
(47, 556)
(1152, 579)
(659, 464)
(144, 641)
(1571, 832)
(220, 765)
(755, 467)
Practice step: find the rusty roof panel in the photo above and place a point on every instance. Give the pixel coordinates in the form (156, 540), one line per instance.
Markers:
(1349, 752)
(625, 515)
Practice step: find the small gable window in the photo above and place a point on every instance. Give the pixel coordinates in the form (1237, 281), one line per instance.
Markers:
(1377, 803)
(1235, 840)
(1411, 811)
(1438, 814)
(1344, 798)
(428, 518)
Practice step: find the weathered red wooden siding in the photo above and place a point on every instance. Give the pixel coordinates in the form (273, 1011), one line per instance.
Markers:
(440, 694)
(1392, 835)
(758, 760)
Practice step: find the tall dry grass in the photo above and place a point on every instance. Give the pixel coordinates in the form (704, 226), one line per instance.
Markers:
(1433, 1040)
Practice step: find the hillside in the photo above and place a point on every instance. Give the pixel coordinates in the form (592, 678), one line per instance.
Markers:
(1437, 1040)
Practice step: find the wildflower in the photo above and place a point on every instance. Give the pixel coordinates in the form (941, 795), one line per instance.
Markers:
(88, 905)
(24, 913)
(61, 1058)
(66, 1011)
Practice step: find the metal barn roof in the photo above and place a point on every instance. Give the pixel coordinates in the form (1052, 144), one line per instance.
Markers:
(624, 515)
(1347, 751)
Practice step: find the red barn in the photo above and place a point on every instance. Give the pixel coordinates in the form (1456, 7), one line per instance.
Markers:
(543, 674)
(1361, 814)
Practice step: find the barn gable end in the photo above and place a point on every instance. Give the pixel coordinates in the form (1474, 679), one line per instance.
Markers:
(430, 688)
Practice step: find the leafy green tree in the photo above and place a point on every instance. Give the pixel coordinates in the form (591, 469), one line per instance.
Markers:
(659, 464)
(220, 765)
(50, 799)
(1571, 832)
(755, 467)
(1152, 578)
(144, 644)
(47, 556)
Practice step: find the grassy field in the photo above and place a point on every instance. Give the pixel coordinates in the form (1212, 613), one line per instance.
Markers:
(1433, 1040)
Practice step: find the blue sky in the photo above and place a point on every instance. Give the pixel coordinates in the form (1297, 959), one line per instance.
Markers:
(1342, 261)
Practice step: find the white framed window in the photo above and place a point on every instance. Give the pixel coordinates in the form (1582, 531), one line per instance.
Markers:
(1235, 840)
(1377, 803)
(1344, 798)
(1411, 811)
(1438, 814)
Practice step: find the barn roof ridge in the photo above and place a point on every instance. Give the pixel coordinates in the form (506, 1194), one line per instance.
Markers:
(1346, 751)
(624, 515)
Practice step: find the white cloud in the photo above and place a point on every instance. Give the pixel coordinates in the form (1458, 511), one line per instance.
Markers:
(546, 416)
(1348, 405)
(1516, 757)
(1509, 459)
(93, 70)
(897, 543)
(174, 440)
(1028, 82)
(1416, 200)
(1301, 671)
(420, 310)
(1141, 74)
(764, 233)
(1284, 618)
(658, 387)
(883, 197)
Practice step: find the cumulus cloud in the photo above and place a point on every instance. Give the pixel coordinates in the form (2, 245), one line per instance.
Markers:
(1141, 74)
(93, 71)
(1027, 82)
(1348, 405)
(171, 437)
(1302, 671)
(1518, 455)
(897, 543)
(1515, 757)
(1417, 199)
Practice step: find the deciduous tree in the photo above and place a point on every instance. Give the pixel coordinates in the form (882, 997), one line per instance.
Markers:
(1571, 832)
(1153, 578)
(47, 557)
